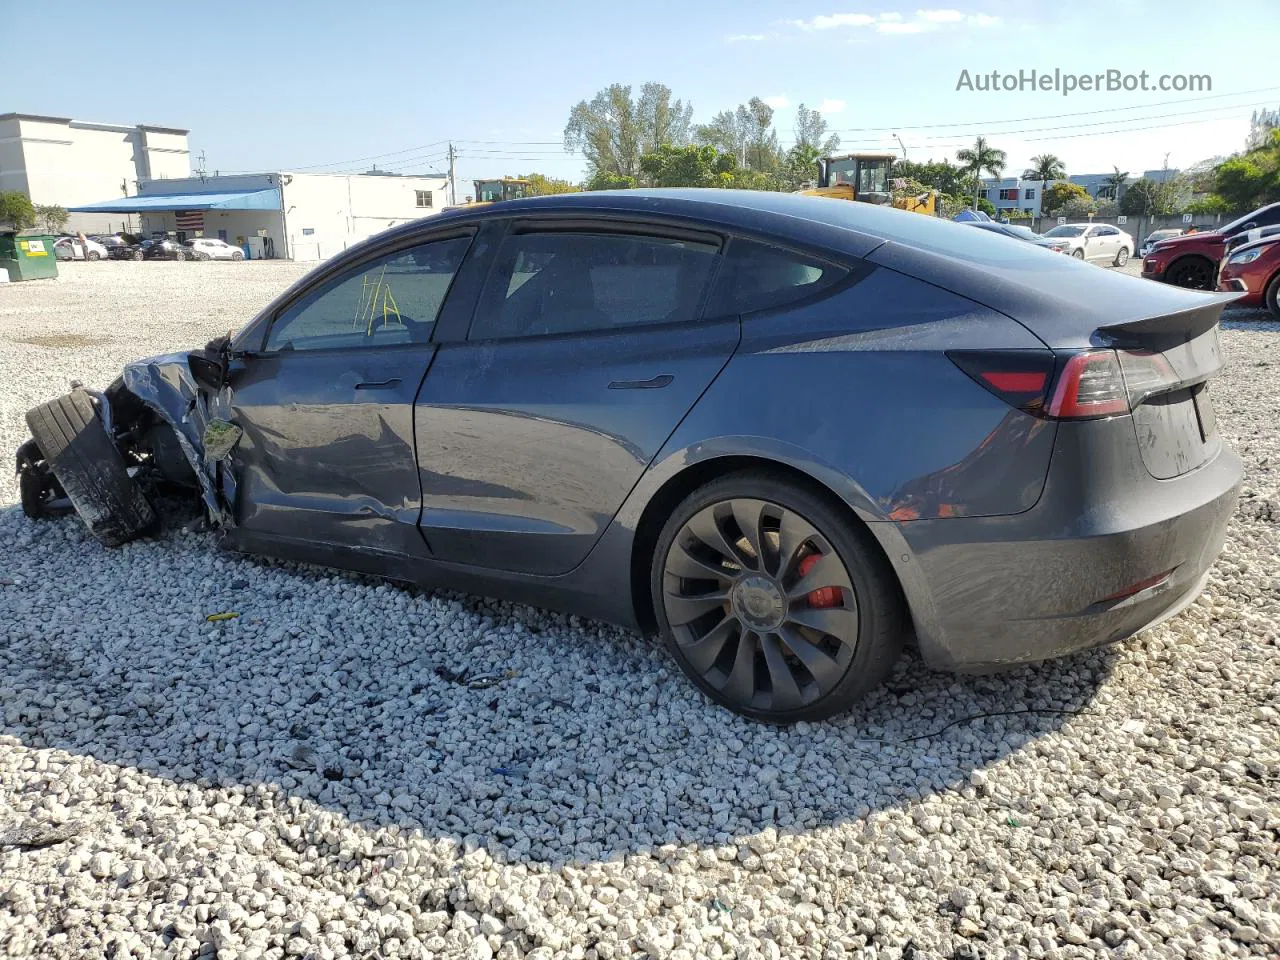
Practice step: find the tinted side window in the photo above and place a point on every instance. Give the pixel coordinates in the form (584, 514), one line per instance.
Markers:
(757, 276)
(388, 301)
(556, 283)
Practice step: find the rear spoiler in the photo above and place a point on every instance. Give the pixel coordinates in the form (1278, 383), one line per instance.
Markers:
(1171, 329)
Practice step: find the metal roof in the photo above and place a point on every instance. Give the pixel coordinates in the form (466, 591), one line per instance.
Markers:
(219, 200)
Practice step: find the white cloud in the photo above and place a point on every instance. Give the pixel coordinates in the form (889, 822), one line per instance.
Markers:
(832, 20)
(777, 102)
(915, 26)
(744, 37)
(831, 106)
(893, 22)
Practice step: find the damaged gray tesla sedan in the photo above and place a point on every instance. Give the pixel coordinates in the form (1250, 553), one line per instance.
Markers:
(781, 431)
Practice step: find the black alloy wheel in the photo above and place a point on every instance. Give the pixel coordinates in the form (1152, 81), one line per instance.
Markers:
(767, 613)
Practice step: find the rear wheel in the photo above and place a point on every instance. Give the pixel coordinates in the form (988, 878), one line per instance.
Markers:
(1194, 273)
(201, 255)
(1078, 254)
(1272, 296)
(237, 255)
(136, 255)
(1122, 257)
(94, 255)
(772, 602)
(90, 469)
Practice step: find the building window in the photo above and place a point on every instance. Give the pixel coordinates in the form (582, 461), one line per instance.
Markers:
(422, 197)
(1009, 194)
(308, 231)
(984, 193)
(1031, 193)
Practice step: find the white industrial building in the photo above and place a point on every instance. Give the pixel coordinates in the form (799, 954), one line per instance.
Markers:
(57, 160)
(296, 216)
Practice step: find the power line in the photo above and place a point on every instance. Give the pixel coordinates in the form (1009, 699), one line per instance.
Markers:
(1056, 116)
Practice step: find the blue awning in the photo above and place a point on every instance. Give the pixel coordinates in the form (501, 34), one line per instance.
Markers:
(221, 200)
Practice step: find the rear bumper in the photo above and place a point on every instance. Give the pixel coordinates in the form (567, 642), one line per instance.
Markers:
(993, 591)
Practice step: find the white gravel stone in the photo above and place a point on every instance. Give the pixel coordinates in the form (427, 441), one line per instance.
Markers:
(300, 781)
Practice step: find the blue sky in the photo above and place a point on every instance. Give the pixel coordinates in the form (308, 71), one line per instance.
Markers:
(325, 85)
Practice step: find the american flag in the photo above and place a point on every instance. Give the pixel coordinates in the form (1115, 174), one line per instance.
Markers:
(190, 220)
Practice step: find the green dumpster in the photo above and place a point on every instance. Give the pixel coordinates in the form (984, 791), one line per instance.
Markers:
(28, 257)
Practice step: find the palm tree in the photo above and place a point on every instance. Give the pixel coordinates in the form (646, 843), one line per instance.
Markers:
(981, 156)
(1045, 167)
(1115, 181)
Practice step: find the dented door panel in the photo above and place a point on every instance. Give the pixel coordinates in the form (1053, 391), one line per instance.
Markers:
(327, 453)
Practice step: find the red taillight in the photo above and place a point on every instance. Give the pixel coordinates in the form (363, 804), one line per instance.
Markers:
(1018, 377)
(1016, 382)
(1090, 385)
(1086, 385)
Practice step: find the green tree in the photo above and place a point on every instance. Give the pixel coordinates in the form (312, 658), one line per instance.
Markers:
(979, 158)
(940, 175)
(1209, 203)
(687, 167)
(613, 131)
(801, 165)
(1057, 195)
(1144, 198)
(52, 217)
(1253, 179)
(540, 185)
(1045, 167)
(608, 180)
(1079, 208)
(1115, 182)
(746, 134)
(811, 132)
(16, 210)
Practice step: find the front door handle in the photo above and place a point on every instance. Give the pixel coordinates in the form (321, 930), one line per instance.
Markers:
(379, 384)
(654, 383)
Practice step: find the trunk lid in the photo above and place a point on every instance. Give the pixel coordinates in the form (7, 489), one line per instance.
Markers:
(1167, 362)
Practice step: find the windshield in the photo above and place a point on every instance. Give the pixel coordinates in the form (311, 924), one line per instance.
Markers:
(488, 191)
(873, 177)
(1251, 216)
(1066, 230)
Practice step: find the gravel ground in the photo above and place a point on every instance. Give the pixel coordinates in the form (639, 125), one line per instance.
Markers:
(310, 779)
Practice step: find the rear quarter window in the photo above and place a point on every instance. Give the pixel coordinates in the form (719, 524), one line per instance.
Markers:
(759, 276)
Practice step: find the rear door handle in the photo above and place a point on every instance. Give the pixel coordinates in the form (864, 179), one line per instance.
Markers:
(378, 384)
(654, 383)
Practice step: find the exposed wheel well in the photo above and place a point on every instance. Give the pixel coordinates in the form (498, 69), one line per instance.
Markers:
(684, 483)
(1187, 258)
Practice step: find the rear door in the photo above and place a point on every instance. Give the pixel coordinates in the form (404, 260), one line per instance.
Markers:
(587, 348)
(326, 406)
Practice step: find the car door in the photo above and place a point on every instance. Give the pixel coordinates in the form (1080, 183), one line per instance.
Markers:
(586, 349)
(1094, 244)
(326, 405)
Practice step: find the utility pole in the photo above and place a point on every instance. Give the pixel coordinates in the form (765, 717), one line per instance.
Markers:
(200, 166)
(453, 177)
(902, 145)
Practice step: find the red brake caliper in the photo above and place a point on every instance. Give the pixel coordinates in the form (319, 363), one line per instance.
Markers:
(823, 596)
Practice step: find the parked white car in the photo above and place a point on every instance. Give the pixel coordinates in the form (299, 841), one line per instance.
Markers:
(211, 248)
(72, 248)
(1157, 236)
(1094, 241)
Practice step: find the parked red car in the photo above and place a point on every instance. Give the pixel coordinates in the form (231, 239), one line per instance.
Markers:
(1192, 259)
(1254, 269)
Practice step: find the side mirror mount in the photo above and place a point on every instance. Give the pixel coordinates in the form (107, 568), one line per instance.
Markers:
(209, 365)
